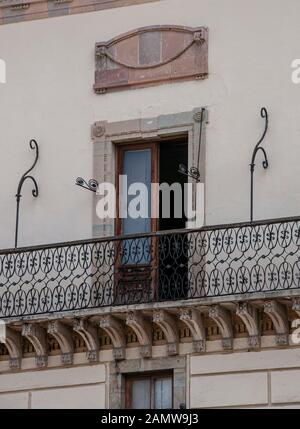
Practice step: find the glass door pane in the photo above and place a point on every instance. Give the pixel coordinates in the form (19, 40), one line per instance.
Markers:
(141, 397)
(163, 393)
(137, 169)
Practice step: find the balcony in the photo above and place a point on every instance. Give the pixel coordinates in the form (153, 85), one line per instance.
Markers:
(234, 262)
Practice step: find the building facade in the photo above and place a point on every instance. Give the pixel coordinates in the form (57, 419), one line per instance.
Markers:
(156, 312)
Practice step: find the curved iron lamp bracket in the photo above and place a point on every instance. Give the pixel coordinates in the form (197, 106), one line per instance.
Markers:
(26, 176)
(194, 172)
(265, 162)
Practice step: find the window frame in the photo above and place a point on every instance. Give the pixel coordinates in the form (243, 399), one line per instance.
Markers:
(153, 376)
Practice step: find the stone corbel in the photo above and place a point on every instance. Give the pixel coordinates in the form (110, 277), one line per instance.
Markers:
(278, 314)
(222, 317)
(168, 324)
(296, 305)
(63, 336)
(143, 331)
(193, 320)
(88, 333)
(114, 328)
(37, 336)
(249, 316)
(14, 347)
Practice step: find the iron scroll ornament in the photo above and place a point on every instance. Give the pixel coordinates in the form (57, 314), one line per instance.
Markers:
(91, 185)
(265, 163)
(35, 191)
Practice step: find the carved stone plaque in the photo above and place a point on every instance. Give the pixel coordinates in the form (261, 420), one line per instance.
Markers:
(150, 56)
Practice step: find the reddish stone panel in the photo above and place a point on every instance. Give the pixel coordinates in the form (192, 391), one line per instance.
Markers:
(151, 55)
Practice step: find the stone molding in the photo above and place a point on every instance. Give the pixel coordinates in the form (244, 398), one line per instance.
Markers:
(19, 10)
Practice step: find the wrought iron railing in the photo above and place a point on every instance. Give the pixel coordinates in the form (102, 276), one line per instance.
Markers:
(183, 264)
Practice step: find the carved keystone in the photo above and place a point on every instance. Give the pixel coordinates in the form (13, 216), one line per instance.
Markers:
(63, 336)
(114, 328)
(143, 331)
(168, 324)
(37, 336)
(193, 320)
(13, 345)
(278, 314)
(222, 317)
(249, 316)
(88, 333)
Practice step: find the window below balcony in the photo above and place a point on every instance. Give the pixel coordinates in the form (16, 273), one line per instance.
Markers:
(149, 391)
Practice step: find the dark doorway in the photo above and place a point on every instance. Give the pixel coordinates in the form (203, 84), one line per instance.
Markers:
(173, 261)
(171, 154)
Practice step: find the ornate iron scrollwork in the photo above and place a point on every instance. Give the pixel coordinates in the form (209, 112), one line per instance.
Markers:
(265, 163)
(91, 185)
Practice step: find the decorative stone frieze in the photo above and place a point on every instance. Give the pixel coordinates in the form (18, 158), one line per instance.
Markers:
(143, 331)
(222, 318)
(278, 314)
(37, 336)
(63, 336)
(89, 334)
(195, 326)
(114, 328)
(193, 320)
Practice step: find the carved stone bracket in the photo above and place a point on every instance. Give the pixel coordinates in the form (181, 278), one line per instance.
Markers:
(222, 317)
(278, 314)
(168, 324)
(193, 320)
(63, 336)
(296, 305)
(249, 316)
(114, 328)
(143, 331)
(37, 336)
(89, 334)
(13, 345)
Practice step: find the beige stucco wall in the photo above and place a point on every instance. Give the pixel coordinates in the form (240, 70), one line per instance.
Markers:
(267, 378)
(77, 387)
(49, 96)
